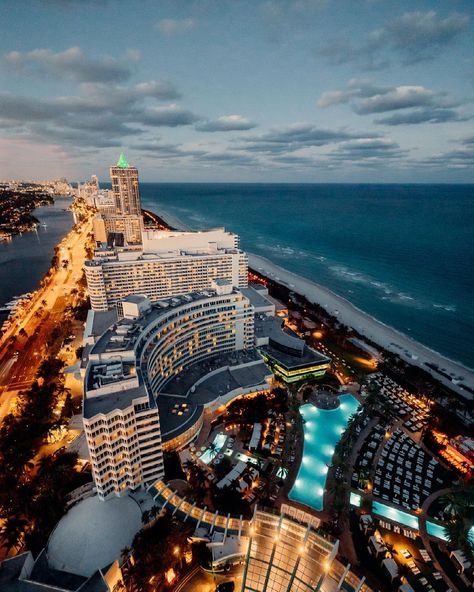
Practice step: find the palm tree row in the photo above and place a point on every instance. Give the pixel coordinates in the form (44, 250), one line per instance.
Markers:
(32, 498)
(459, 513)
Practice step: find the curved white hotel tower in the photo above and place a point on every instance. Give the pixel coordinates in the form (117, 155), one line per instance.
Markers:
(136, 379)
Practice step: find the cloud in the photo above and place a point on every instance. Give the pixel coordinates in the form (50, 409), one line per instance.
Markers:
(168, 116)
(172, 27)
(399, 97)
(296, 137)
(203, 156)
(160, 89)
(462, 157)
(69, 64)
(416, 103)
(421, 35)
(413, 37)
(226, 123)
(424, 115)
(231, 158)
(100, 116)
(368, 152)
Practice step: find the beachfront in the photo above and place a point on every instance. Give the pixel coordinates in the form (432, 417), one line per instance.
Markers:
(386, 337)
(383, 335)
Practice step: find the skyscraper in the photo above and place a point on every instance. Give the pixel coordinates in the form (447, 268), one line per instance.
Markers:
(125, 187)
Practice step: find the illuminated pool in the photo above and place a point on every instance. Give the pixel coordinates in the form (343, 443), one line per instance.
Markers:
(435, 530)
(395, 515)
(218, 443)
(322, 431)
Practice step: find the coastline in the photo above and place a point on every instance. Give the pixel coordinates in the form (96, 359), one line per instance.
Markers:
(387, 337)
(368, 326)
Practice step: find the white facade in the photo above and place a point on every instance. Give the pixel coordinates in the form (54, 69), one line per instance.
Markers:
(125, 453)
(161, 241)
(183, 263)
(125, 187)
(129, 365)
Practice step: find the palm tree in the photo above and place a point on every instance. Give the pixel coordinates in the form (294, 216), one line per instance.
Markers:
(12, 531)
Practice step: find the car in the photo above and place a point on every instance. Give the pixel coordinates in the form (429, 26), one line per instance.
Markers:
(225, 587)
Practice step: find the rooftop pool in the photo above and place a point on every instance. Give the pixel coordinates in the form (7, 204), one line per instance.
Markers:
(322, 431)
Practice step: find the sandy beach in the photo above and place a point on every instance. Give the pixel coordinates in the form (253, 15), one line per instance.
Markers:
(385, 336)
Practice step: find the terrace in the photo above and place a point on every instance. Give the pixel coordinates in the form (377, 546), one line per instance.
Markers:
(402, 402)
(407, 475)
(381, 540)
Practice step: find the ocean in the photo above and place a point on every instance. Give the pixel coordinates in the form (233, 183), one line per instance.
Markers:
(402, 253)
(26, 258)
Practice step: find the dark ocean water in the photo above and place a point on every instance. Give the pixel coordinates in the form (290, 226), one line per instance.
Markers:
(402, 253)
(26, 258)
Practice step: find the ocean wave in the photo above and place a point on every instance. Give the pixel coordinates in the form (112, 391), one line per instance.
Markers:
(446, 307)
(387, 292)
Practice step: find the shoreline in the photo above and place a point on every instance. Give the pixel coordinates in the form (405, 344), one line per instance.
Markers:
(383, 335)
(409, 350)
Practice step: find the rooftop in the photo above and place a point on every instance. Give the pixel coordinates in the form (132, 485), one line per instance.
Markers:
(181, 405)
(111, 401)
(123, 334)
(257, 297)
(290, 362)
(92, 534)
(122, 162)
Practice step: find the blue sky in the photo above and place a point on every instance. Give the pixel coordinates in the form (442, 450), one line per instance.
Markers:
(242, 90)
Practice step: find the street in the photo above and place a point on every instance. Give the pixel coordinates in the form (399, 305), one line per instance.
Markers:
(45, 311)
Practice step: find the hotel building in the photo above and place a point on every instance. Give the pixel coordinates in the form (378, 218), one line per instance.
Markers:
(152, 374)
(120, 222)
(168, 264)
(125, 188)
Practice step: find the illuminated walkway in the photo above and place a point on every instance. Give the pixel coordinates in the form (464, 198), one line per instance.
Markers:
(289, 555)
(166, 497)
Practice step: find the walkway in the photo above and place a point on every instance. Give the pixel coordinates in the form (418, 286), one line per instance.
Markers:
(425, 537)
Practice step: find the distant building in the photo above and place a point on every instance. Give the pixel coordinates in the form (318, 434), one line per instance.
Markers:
(88, 190)
(106, 226)
(125, 187)
(119, 219)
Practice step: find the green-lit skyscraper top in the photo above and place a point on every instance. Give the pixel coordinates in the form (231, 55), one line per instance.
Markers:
(122, 162)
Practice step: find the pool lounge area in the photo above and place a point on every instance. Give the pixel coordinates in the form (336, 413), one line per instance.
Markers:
(322, 431)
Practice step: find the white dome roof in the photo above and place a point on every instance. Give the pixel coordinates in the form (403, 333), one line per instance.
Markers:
(92, 534)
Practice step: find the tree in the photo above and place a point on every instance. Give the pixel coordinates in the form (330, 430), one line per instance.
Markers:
(12, 531)
(459, 506)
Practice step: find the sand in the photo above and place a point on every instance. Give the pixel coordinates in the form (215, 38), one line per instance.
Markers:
(383, 335)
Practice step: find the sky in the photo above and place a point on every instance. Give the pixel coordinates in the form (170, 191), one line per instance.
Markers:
(238, 90)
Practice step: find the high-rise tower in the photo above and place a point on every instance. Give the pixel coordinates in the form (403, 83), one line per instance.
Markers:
(125, 187)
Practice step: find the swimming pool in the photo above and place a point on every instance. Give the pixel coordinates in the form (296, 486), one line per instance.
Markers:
(395, 515)
(209, 454)
(322, 431)
(437, 530)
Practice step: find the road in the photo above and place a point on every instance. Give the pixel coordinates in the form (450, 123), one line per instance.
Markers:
(45, 311)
